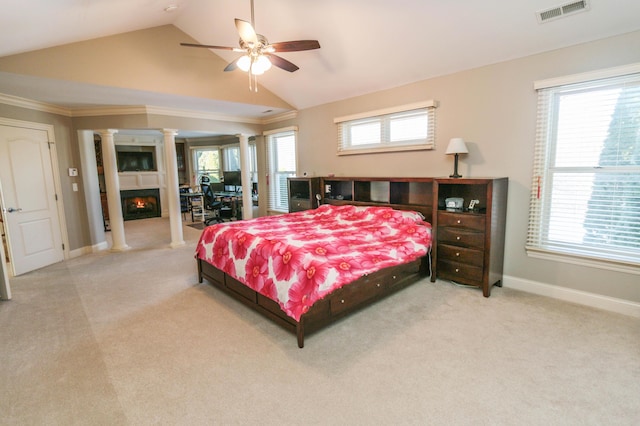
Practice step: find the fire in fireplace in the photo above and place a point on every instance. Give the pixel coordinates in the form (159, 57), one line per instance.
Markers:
(140, 203)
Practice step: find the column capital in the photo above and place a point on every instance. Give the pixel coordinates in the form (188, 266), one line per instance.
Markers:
(107, 131)
(170, 132)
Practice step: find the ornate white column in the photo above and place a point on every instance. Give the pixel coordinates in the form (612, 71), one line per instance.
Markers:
(245, 156)
(109, 162)
(173, 194)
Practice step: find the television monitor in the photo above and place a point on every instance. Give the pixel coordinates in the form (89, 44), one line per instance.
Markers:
(136, 161)
(232, 178)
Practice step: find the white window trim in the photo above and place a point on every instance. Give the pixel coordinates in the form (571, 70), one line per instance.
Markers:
(429, 145)
(384, 111)
(587, 76)
(585, 260)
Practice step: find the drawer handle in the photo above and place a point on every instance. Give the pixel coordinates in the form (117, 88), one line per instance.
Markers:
(457, 270)
(394, 277)
(378, 285)
(458, 254)
(459, 221)
(458, 238)
(342, 301)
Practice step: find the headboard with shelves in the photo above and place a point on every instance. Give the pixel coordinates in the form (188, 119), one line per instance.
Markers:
(400, 193)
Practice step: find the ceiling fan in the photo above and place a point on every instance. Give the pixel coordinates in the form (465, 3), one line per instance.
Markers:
(258, 53)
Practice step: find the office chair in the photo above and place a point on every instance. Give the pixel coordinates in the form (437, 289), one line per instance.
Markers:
(184, 203)
(211, 204)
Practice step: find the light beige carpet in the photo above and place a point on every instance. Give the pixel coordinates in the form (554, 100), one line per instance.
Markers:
(132, 339)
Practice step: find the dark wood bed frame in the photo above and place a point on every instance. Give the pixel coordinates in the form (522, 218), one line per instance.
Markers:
(358, 294)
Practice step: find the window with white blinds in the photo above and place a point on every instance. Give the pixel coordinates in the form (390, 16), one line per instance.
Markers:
(253, 162)
(206, 161)
(408, 127)
(585, 196)
(281, 163)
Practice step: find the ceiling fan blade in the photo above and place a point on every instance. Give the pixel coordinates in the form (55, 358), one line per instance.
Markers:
(232, 65)
(246, 31)
(296, 46)
(282, 63)
(208, 46)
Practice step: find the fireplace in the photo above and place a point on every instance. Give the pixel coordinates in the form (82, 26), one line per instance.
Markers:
(140, 203)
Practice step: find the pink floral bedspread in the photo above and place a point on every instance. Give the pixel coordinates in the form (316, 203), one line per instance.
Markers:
(296, 259)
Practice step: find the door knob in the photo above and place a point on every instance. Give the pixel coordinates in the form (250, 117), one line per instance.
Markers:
(11, 210)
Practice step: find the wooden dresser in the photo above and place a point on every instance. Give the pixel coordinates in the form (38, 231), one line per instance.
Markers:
(469, 243)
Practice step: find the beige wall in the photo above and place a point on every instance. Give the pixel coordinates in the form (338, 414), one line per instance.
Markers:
(68, 152)
(494, 109)
(68, 156)
(149, 60)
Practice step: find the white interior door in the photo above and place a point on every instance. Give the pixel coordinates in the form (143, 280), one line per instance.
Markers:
(29, 207)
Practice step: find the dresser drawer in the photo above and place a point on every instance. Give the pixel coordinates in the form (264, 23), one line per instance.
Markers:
(463, 220)
(462, 255)
(298, 205)
(460, 237)
(459, 272)
(350, 296)
(372, 286)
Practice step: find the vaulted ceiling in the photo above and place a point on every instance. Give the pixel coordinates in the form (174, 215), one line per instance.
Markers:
(366, 45)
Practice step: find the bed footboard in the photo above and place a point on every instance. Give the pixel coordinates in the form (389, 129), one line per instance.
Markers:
(358, 294)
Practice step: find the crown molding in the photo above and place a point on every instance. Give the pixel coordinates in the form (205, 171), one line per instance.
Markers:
(138, 109)
(116, 110)
(34, 105)
(280, 117)
(203, 115)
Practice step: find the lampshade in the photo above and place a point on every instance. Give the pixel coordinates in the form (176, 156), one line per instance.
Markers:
(457, 146)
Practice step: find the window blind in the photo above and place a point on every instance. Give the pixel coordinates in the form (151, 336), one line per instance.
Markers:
(281, 163)
(585, 193)
(231, 158)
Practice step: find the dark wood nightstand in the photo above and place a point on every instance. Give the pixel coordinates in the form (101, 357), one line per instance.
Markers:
(302, 193)
(468, 244)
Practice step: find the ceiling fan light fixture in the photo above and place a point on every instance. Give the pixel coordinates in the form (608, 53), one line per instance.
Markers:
(244, 63)
(261, 65)
(258, 54)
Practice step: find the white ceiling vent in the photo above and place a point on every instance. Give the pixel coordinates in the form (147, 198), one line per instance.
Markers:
(562, 11)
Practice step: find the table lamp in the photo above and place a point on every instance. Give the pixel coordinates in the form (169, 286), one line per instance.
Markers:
(456, 146)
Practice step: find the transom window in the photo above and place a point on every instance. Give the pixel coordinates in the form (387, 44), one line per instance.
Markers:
(409, 127)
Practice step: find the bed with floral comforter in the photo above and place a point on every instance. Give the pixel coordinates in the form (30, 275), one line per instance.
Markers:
(298, 259)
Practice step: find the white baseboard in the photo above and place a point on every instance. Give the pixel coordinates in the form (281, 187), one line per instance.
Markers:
(88, 250)
(594, 300)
